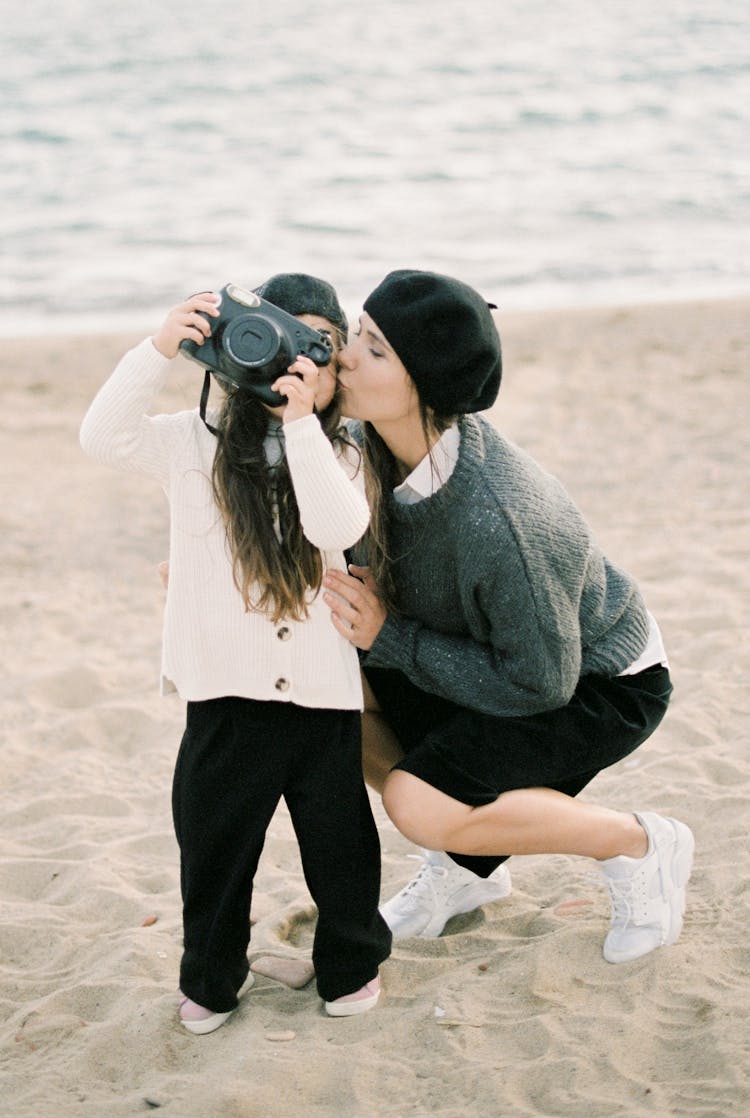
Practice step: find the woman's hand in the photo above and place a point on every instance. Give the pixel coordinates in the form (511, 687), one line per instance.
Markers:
(186, 321)
(299, 390)
(361, 615)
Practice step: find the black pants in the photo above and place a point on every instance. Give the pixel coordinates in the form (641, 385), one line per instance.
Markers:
(238, 757)
(475, 757)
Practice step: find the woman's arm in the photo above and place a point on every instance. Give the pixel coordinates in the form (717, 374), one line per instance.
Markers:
(502, 682)
(522, 668)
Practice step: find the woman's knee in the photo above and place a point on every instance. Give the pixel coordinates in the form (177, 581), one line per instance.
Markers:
(402, 803)
(420, 812)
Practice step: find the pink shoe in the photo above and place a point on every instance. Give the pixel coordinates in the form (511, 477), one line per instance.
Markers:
(358, 1002)
(199, 1020)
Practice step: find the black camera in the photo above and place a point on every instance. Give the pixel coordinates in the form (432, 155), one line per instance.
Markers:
(253, 342)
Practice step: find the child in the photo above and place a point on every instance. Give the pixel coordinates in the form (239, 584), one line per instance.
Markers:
(263, 500)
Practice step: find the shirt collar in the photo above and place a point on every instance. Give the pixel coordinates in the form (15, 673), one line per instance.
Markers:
(433, 471)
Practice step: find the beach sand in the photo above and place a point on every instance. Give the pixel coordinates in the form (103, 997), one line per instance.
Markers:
(643, 413)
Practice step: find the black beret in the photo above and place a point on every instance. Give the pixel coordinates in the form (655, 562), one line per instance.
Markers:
(443, 332)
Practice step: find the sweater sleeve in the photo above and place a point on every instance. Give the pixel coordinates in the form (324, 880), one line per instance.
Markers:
(520, 666)
(116, 430)
(329, 490)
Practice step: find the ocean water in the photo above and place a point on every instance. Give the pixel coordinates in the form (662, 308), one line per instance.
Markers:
(548, 153)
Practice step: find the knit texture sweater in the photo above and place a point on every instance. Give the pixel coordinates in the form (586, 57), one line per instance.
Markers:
(212, 647)
(505, 598)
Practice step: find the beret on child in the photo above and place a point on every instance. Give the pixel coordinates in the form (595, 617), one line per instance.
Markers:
(297, 293)
(445, 336)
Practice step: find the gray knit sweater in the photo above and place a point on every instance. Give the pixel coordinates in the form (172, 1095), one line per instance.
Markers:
(506, 598)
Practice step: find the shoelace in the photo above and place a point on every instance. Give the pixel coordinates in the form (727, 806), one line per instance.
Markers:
(621, 895)
(422, 882)
(626, 893)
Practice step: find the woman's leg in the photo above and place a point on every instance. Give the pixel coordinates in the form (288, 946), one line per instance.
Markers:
(480, 785)
(524, 821)
(380, 746)
(446, 884)
(477, 780)
(646, 859)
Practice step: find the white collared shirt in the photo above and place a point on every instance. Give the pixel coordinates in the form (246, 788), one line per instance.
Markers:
(433, 472)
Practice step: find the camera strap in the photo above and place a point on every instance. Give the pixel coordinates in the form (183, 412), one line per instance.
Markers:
(204, 401)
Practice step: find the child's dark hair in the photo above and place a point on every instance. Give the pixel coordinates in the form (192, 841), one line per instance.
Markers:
(279, 568)
(270, 554)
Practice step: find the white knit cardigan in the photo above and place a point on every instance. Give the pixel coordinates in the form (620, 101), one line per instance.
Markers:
(212, 646)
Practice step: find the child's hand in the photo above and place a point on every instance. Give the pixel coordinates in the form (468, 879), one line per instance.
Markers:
(186, 321)
(299, 390)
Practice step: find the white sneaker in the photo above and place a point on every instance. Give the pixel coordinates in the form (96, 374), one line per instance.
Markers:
(648, 894)
(440, 890)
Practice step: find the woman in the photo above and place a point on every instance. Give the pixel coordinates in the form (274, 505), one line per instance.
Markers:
(509, 661)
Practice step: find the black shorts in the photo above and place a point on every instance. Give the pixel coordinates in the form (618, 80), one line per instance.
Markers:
(474, 757)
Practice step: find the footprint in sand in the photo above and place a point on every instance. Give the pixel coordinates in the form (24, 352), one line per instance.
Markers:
(71, 689)
(297, 927)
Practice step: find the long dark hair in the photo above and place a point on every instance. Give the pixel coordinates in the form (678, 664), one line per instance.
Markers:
(274, 564)
(381, 477)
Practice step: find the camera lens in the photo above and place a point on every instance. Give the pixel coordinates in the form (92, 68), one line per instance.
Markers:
(252, 341)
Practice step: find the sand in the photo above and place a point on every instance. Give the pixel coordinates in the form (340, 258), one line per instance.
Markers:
(643, 413)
